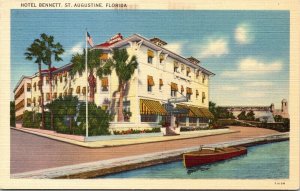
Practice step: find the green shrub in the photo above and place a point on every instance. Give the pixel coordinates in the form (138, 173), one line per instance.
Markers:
(31, 119)
(98, 120)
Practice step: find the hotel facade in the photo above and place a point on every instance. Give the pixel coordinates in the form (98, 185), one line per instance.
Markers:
(163, 84)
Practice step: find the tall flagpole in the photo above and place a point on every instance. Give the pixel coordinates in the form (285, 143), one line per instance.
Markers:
(86, 90)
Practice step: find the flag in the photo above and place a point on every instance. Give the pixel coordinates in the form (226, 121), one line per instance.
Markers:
(89, 39)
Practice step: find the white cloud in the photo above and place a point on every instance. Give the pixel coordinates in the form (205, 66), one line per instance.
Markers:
(229, 88)
(252, 67)
(175, 47)
(77, 48)
(242, 34)
(259, 84)
(215, 48)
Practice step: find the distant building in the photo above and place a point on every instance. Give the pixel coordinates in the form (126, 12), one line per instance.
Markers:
(264, 113)
(283, 112)
(161, 75)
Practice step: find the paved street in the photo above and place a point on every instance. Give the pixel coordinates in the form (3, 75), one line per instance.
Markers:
(31, 152)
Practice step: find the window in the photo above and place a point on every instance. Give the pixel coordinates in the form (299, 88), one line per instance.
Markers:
(203, 97)
(83, 90)
(203, 79)
(148, 118)
(28, 102)
(70, 91)
(176, 65)
(161, 58)
(189, 92)
(150, 56)
(188, 96)
(34, 102)
(28, 87)
(47, 79)
(182, 67)
(182, 89)
(150, 83)
(34, 86)
(174, 89)
(40, 84)
(161, 83)
(197, 94)
(104, 84)
(197, 73)
(188, 70)
(48, 97)
(78, 90)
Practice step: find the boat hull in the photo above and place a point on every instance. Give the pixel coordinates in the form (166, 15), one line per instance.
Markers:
(200, 157)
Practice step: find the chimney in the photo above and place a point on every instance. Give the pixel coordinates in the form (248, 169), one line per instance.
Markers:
(193, 60)
(158, 42)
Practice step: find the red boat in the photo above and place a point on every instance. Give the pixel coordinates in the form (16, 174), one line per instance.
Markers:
(210, 155)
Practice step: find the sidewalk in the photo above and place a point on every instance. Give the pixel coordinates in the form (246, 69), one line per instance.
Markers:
(79, 140)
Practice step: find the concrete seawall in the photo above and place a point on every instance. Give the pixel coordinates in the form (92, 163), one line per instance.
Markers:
(105, 167)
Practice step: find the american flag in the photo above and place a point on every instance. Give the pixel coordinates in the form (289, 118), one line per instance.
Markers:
(89, 39)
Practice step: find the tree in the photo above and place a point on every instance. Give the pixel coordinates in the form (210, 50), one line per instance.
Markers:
(250, 116)
(125, 68)
(64, 108)
(52, 50)
(36, 52)
(98, 119)
(212, 108)
(12, 114)
(242, 115)
(93, 63)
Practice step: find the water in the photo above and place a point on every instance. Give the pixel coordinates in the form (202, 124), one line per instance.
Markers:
(269, 161)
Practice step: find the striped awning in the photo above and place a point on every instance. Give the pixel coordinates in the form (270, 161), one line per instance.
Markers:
(190, 113)
(207, 113)
(150, 107)
(196, 111)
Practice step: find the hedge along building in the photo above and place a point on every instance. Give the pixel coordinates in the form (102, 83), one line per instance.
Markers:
(160, 76)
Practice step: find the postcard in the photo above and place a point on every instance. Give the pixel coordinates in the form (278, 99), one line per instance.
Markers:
(125, 94)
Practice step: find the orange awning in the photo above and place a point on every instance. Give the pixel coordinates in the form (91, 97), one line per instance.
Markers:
(150, 81)
(104, 82)
(174, 87)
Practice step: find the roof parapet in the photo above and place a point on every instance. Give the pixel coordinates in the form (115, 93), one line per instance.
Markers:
(158, 41)
(193, 60)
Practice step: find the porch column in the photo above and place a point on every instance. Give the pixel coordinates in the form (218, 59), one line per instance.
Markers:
(187, 121)
(173, 119)
(197, 122)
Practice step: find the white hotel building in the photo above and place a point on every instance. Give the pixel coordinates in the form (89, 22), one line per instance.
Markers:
(161, 75)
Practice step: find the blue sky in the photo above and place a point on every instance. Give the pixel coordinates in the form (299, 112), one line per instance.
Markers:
(247, 50)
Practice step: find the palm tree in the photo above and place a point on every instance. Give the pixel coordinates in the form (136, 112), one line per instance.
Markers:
(125, 68)
(93, 63)
(51, 50)
(36, 51)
